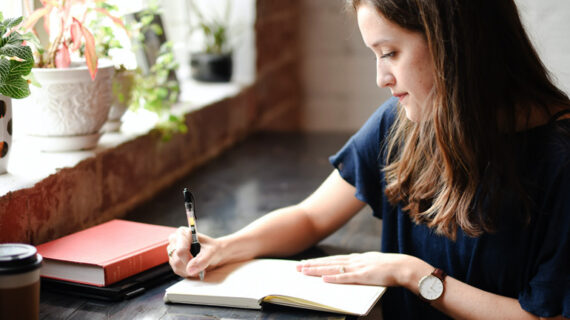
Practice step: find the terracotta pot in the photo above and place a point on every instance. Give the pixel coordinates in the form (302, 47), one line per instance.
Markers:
(69, 109)
(5, 131)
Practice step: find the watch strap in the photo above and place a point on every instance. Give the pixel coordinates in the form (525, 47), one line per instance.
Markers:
(439, 273)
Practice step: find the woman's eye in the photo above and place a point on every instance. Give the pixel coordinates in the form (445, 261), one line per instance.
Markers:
(390, 54)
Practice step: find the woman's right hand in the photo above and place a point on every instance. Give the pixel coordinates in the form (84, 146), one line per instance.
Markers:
(180, 259)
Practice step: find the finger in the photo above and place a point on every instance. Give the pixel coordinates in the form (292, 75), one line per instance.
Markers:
(320, 262)
(199, 263)
(324, 270)
(341, 278)
(179, 266)
(182, 243)
(179, 258)
(195, 273)
(172, 238)
(182, 239)
(327, 260)
(169, 250)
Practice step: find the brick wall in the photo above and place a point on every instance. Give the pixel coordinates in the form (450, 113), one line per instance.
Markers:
(117, 179)
(277, 82)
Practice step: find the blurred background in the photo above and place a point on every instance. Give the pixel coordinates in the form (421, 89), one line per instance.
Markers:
(336, 72)
(297, 66)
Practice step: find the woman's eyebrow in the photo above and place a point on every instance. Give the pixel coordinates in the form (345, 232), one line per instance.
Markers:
(381, 42)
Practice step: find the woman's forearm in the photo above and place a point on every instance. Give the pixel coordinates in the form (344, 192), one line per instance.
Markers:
(290, 230)
(463, 301)
(283, 232)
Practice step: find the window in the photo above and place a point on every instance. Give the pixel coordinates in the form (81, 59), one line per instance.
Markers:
(11, 8)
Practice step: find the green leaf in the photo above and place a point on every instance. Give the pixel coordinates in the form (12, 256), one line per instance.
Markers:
(16, 61)
(156, 29)
(4, 68)
(21, 68)
(15, 39)
(12, 22)
(15, 87)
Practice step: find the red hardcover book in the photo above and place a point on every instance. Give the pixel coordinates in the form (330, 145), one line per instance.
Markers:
(106, 253)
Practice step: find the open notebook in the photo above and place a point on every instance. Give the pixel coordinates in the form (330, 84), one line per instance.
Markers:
(251, 283)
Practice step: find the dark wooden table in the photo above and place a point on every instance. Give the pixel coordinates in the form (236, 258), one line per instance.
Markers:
(265, 172)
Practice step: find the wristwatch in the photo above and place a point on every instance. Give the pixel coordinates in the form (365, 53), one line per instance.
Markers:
(431, 286)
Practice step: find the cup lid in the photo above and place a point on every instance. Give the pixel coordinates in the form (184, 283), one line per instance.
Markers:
(18, 258)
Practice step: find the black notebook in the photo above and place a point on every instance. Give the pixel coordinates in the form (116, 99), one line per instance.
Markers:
(121, 290)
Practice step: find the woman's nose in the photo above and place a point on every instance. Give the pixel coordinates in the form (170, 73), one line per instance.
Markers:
(384, 78)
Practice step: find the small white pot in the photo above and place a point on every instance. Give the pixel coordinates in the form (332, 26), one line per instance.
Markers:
(5, 131)
(69, 109)
(123, 82)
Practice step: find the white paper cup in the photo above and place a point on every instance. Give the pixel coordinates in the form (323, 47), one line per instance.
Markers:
(19, 281)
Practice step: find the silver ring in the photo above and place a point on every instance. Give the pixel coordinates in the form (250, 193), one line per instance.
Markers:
(341, 269)
(171, 251)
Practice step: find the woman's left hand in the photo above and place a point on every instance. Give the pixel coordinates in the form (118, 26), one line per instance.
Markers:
(372, 268)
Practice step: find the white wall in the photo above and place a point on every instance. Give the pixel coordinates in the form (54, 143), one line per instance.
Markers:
(548, 24)
(338, 71)
(11, 9)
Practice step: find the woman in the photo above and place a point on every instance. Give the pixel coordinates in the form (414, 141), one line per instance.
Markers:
(468, 167)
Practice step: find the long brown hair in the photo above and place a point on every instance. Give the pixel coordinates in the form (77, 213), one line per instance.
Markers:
(487, 77)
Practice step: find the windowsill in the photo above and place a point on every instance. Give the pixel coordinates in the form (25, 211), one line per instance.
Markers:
(28, 166)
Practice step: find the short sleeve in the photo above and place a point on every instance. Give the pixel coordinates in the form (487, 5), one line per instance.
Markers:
(360, 161)
(547, 293)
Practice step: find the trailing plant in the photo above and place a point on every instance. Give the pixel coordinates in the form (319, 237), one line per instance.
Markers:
(147, 23)
(16, 60)
(158, 92)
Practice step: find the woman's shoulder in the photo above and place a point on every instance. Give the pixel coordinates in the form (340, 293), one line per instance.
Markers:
(550, 141)
(545, 157)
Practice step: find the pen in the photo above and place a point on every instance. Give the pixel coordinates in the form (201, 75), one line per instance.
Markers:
(190, 204)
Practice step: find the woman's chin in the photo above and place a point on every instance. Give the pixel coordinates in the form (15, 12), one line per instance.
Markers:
(411, 113)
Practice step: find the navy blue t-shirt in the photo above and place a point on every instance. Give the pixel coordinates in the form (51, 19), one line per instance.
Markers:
(530, 264)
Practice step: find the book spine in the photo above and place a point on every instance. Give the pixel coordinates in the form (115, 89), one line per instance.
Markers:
(134, 264)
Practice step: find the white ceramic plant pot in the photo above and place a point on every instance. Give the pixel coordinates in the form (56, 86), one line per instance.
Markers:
(5, 131)
(69, 109)
(123, 82)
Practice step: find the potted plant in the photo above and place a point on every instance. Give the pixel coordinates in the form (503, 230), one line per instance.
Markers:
(157, 92)
(213, 63)
(113, 42)
(16, 61)
(72, 105)
(156, 88)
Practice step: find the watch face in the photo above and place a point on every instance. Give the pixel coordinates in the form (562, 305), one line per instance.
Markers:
(431, 287)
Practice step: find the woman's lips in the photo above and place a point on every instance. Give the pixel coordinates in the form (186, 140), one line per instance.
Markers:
(400, 96)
